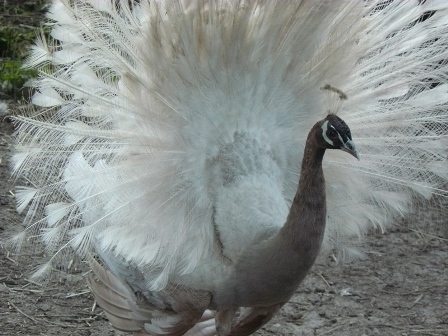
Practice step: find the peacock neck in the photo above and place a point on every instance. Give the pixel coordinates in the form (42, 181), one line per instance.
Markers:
(305, 225)
(283, 261)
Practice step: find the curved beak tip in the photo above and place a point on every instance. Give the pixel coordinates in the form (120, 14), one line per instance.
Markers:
(350, 148)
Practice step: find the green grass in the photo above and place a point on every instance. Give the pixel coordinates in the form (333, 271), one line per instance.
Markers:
(19, 26)
(13, 76)
(15, 41)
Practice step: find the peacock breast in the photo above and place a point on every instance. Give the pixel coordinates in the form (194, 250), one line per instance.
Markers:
(249, 203)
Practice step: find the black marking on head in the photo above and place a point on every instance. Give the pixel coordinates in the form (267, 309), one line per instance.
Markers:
(335, 131)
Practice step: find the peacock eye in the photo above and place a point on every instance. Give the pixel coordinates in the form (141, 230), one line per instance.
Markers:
(331, 132)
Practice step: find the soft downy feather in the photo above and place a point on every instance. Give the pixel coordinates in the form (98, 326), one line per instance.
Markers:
(135, 104)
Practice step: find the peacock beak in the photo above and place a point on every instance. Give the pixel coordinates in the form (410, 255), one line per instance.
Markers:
(350, 148)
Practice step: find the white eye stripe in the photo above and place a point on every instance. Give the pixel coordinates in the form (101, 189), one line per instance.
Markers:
(324, 133)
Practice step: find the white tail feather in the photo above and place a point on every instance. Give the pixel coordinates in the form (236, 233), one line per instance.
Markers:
(47, 97)
(41, 272)
(40, 52)
(56, 211)
(24, 196)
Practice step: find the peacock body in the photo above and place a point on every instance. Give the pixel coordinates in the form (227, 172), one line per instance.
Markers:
(166, 137)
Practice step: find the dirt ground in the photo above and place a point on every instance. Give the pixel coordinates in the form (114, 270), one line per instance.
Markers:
(400, 288)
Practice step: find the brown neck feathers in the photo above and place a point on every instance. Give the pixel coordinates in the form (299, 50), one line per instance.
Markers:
(305, 224)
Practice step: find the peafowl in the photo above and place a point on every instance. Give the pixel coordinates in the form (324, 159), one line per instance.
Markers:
(178, 146)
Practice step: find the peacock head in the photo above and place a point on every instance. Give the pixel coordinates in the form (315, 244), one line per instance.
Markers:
(336, 135)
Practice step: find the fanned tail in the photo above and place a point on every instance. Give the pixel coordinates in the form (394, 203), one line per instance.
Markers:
(134, 101)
